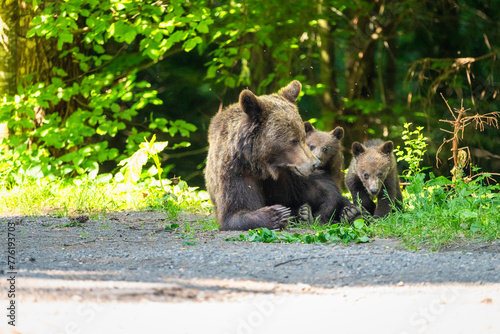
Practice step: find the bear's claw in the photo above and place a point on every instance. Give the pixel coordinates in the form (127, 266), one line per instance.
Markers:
(280, 215)
(305, 214)
(351, 213)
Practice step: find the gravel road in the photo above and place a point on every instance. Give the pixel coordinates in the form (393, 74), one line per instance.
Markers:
(110, 264)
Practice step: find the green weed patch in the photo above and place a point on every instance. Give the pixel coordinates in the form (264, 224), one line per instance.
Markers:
(335, 233)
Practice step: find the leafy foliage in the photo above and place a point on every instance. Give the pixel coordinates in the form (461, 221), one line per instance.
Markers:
(438, 212)
(335, 233)
(60, 126)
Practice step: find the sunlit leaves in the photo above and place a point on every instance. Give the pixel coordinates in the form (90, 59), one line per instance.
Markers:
(133, 166)
(108, 40)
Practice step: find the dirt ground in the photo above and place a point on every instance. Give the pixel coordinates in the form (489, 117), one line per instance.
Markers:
(123, 272)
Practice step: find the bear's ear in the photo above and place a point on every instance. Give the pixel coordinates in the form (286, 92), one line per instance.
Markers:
(338, 132)
(387, 147)
(291, 91)
(308, 126)
(357, 149)
(250, 105)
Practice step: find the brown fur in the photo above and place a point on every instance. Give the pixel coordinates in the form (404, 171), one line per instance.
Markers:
(326, 146)
(318, 191)
(373, 173)
(252, 141)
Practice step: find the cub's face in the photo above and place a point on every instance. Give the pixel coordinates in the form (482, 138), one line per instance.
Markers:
(372, 170)
(372, 165)
(324, 145)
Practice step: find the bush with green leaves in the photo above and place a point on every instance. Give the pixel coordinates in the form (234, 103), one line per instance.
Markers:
(414, 149)
(61, 126)
(132, 188)
(438, 212)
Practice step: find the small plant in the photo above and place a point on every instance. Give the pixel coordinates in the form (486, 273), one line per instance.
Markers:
(106, 226)
(170, 227)
(133, 166)
(415, 148)
(189, 243)
(208, 224)
(84, 234)
(188, 229)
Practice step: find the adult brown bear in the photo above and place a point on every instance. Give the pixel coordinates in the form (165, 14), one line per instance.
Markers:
(250, 142)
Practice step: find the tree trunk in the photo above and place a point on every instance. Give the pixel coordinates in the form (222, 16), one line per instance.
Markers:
(9, 16)
(37, 56)
(361, 63)
(326, 43)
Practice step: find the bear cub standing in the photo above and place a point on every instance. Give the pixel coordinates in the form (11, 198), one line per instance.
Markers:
(327, 148)
(373, 172)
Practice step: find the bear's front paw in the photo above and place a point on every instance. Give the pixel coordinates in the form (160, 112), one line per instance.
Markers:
(350, 214)
(305, 214)
(279, 217)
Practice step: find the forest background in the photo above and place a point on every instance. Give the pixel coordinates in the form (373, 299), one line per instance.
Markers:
(85, 81)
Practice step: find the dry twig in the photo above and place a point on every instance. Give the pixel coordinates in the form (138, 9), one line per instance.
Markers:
(461, 156)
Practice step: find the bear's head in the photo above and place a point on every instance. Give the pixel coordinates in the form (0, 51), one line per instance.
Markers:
(324, 145)
(278, 137)
(373, 164)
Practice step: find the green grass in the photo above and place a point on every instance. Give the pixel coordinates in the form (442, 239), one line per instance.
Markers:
(438, 213)
(67, 197)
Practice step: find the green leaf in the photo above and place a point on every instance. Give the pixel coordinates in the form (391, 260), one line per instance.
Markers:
(190, 44)
(202, 27)
(476, 226)
(359, 223)
(130, 36)
(211, 72)
(98, 48)
(230, 82)
(133, 165)
(363, 239)
(169, 227)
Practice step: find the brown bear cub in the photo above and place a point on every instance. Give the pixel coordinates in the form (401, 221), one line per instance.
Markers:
(249, 142)
(373, 173)
(326, 146)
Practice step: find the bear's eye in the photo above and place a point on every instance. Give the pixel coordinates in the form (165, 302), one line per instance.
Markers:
(324, 149)
(380, 174)
(294, 142)
(312, 147)
(366, 176)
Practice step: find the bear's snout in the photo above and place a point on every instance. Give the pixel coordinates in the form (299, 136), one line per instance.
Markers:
(317, 164)
(305, 169)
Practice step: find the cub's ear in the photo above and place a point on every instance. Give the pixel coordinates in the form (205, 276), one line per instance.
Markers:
(249, 103)
(291, 91)
(387, 147)
(309, 127)
(357, 149)
(338, 132)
